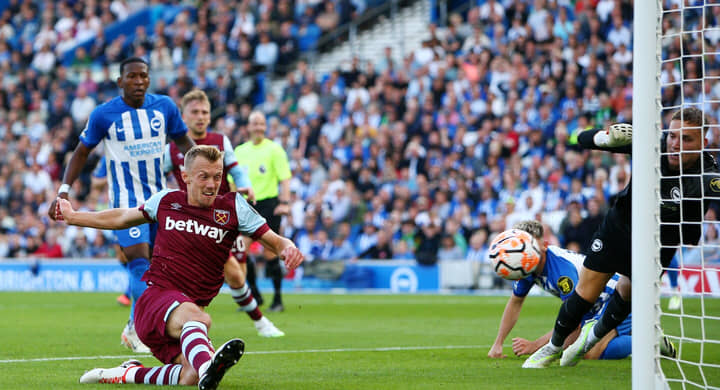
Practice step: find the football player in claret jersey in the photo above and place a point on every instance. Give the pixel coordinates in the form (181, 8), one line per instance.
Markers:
(134, 128)
(195, 107)
(558, 273)
(196, 230)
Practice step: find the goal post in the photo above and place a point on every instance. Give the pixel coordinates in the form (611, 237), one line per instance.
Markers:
(676, 65)
(646, 372)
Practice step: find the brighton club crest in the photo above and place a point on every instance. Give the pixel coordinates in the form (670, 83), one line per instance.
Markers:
(221, 217)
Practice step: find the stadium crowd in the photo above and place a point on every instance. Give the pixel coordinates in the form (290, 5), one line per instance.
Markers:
(420, 158)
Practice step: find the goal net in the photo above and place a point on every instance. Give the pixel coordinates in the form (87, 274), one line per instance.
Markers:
(685, 307)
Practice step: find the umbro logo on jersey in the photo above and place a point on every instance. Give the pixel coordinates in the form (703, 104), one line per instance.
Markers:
(175, 206)
(192, 226)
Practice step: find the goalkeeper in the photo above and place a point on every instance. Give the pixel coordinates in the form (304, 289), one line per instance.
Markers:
(610, 248)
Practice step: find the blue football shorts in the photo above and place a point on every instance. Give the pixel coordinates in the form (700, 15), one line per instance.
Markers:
(141, 234)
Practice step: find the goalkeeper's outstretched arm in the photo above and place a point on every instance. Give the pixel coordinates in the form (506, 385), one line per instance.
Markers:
(616, 139)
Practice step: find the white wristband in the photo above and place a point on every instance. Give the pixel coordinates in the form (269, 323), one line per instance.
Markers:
(64, 189)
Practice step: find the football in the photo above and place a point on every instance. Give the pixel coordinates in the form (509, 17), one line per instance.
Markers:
(514, 254)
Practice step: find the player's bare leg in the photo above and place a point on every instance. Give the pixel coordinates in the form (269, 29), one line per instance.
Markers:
(137, 257)
(242, 295)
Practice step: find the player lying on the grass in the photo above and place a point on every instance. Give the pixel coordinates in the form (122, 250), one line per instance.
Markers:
(610, 252)
(557, 273)
(195, 107)
(195, 233)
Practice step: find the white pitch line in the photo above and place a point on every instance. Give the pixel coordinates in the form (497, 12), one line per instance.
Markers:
(378, 349)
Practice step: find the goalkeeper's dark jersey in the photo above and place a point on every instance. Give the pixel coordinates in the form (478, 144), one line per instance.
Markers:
(699, 187)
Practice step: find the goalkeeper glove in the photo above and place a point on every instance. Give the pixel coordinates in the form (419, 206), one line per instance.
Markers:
(619, 134)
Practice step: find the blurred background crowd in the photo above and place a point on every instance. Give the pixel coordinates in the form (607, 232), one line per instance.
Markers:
(424, 157)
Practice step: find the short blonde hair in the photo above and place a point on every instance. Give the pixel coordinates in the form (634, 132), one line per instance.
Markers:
(195, 94)
(209, 152)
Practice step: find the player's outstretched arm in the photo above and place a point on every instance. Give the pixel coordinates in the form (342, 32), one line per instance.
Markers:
(508, 321)
(521, 346)
(615, 139)
(121, 218)
(290, 254)
(75, 166)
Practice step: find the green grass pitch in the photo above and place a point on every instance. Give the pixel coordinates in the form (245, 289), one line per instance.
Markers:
(47, 340)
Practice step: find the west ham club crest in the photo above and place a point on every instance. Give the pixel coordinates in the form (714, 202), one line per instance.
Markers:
(221, 217)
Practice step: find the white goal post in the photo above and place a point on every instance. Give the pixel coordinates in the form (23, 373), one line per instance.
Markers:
(646, 372)
(676, 64)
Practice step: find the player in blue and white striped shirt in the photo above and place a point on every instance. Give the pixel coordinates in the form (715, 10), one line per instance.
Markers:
(134, 129)
(558, 274)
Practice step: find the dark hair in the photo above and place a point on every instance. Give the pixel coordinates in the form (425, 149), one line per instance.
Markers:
(130, 61)
(693, 116)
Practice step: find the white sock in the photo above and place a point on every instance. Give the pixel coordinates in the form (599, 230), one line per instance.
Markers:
(554, 347)
(130, 374)
(203, 369)
(592, 338)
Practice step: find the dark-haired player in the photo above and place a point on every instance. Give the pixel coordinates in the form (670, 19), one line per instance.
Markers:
(133, 128)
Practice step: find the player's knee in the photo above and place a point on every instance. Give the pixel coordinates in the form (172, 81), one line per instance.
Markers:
(137, 251)
(624, 288)
(198, 316)
(188, 377)
(591, 284)
(204, 318)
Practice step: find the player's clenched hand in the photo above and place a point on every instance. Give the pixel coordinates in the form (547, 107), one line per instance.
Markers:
(520, 346)
(496, 352)
(292, 257)
(249, 194)
(62, 208)
(53, 209)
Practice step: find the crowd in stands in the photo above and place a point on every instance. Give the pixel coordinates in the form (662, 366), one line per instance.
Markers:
(424, 157)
